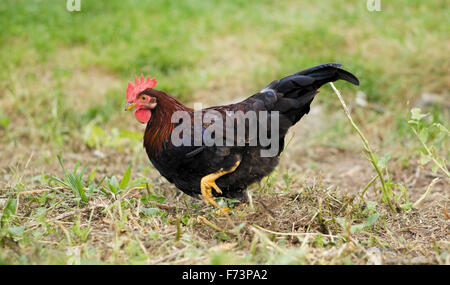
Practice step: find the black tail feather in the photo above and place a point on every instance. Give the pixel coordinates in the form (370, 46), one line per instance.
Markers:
(329, 71)
(297, 91)
(311, 79)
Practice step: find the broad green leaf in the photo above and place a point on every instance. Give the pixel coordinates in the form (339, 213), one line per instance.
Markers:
(76, 186)
(91, 189)
(16, 230)
(382, 162)
(4, 121)
(8, 211)
(92, 175)
(371, 205)
(222, 236)
(61, 162)
(441, 161)
(125, 178)
(151, 197)
(424, 158)
(423, 135)
(150, 211)
(407, 206)
(113, 184)
(238, 228)
(441, 128)
(185, 219)
(434, 168)
(40, 212)
(370, 221)
(341, 221)
(416, 114)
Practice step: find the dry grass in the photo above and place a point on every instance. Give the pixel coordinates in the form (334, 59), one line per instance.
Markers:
(311, 213)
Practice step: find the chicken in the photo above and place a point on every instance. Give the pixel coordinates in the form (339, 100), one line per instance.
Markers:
(235, 160)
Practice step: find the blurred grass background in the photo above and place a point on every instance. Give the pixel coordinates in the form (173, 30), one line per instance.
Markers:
(62, 71)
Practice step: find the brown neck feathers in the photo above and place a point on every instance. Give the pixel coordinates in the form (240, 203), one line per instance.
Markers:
(159, 128)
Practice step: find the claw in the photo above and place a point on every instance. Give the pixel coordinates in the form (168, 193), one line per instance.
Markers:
(214, 185)
(207, 193)
(226, 210)
(209, 182)
(223, 211)
(240, 206)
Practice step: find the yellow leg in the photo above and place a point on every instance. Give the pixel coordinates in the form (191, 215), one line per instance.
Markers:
(224, 211)
(209, 182)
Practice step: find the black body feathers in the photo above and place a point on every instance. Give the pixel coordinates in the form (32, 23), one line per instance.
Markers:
(291, 96)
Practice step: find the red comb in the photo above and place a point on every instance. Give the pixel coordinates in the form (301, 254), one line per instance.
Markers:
(139, 86)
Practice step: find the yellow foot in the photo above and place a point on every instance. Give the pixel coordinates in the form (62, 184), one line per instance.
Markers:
(208, 183)
(223, 211)
(226, 210)
(240, 207)
(206, 186)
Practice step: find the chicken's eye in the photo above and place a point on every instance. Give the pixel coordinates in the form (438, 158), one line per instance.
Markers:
(143, 98)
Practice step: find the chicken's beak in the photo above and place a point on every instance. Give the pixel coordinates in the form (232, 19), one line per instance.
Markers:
(130, 106)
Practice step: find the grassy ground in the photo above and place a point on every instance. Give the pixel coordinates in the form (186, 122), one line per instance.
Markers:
(62, 92)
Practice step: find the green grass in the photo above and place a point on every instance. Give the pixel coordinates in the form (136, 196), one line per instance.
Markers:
(180, 45)
(62, 92)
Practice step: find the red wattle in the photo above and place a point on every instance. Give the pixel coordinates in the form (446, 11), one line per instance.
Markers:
(143, 115)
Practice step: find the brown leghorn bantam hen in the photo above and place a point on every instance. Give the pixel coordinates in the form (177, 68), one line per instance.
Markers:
(229, 166)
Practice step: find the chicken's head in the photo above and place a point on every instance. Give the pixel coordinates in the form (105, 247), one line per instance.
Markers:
(138, 96)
